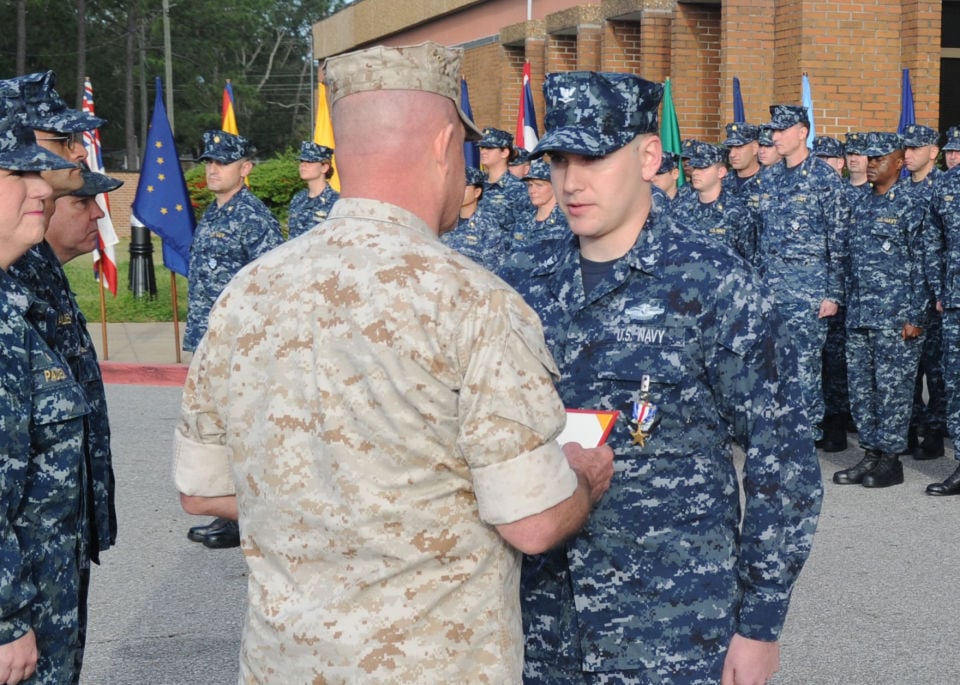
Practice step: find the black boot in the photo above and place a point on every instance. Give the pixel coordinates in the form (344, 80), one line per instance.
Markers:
(225, 534)
(197, 533)
(854, 475)
(932, 445)
(888, 472)
(913, 444)
(951, 486)
(834, 434)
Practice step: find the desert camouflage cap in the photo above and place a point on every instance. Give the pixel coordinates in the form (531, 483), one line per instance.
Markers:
(953, 139)
(18, 146)
(917, 135)
(825, 146)
(594, 113)
(314, 152)
(703, 155)
(878, 144)
(476, 177)
(854, 142)
(668, 162)
(95, 183)
(226, 148)
(784, 116)
(428, 67)
(521, 156)
(765, 136)
(740, 133)
(44, 109)
(539, 170)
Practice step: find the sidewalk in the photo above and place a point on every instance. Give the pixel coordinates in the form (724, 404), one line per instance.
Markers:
(140, 353)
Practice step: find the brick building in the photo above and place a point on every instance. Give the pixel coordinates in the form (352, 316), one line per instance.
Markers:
(853, 52)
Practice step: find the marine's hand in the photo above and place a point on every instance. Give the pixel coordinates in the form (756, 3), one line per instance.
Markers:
(828, 308)
(750, 662)
(595, 465)
(910, 331)
(18, 659)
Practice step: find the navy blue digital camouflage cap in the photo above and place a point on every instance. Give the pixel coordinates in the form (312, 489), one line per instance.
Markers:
(225, 148)
(917, 135)
(825, 146)
(765, 136)
(314, 152)
(878, 144)
(539, 170)
(703, 155)
(686, 147)
(854, 142)
(740, 133)
(18, 145)
(494, 137)
(668, 162)
(521, 156)
(95, 183)
(476, 177)
(784, 116)
(44, 109)
(593, 113)
(953, 139)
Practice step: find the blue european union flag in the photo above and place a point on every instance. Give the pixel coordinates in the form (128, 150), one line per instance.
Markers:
(162, 202)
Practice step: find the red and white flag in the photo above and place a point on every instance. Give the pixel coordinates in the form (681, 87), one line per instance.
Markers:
(527, 134)
(104, 257)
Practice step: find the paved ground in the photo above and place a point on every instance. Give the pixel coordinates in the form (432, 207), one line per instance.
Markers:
(877, 604)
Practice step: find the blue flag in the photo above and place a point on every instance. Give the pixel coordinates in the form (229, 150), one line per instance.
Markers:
(907, 116)
(739, 117)
(471, 154)
(808, 103)
(162, 202)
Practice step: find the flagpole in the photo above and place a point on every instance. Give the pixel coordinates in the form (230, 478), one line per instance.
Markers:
(176, 314)
(103, 316)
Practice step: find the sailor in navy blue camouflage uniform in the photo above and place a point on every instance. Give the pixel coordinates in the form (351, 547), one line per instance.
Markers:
(951, 148)
(41, 441)
(767, 153)
(548, 221)
(504, 195)
(477, 235)
(943, 219)
(235, 229)
(836, 398)
(668, 174)
(742, 146)
(519, 163)
(713, 209)
(802, 246)
(929, 418)
(58, 318)
(886, 297)
(311, 205)
(663, 584)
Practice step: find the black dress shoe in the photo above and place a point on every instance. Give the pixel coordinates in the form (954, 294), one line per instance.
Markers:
(931, 447)
(888, 472)
(951, 486)
(854, 475)
(222, 536)
(197, 533)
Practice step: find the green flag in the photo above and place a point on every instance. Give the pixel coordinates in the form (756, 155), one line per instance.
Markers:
(669, 128)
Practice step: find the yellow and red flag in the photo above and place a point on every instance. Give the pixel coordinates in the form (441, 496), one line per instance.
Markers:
(323, 131)
(229, 123)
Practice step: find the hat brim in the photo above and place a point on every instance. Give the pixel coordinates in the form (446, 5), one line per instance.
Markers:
(579, 141)
(472, 133)
(33, 158)
(221, 159)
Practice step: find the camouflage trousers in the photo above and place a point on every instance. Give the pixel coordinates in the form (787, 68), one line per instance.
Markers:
(549, 673)
(951, 369)
(836, 398)
(931, 415)
(809, 334)
(882, 368)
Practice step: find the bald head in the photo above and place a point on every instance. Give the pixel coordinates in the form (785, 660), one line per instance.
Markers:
(402, 147)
